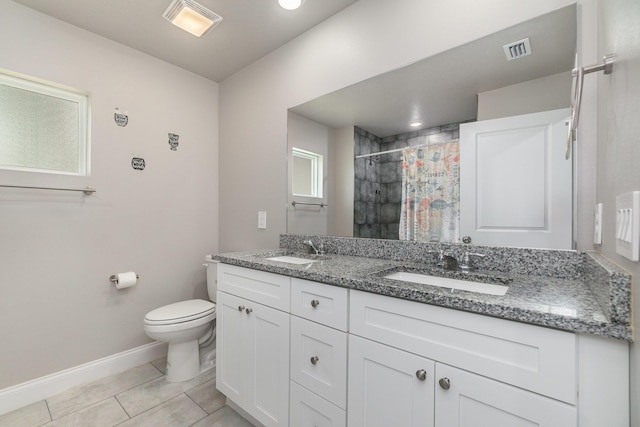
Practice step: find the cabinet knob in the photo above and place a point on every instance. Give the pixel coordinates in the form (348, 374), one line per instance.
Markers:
(248, 310)
(314, 360)
(421, 374)
(445, 383)
(315, 303)
(240, 307)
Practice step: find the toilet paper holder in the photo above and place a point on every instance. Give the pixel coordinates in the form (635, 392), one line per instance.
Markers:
(114, 278)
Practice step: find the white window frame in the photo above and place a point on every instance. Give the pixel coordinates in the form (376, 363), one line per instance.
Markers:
(64, 93)
(317, 173)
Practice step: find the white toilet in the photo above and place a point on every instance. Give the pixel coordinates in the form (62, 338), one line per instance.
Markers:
(188, 327)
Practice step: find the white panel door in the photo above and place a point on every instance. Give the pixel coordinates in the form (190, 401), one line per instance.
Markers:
(471, 401)
(515, 183)
(388, 387)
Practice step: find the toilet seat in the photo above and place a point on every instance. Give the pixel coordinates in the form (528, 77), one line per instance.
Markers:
(180, 312)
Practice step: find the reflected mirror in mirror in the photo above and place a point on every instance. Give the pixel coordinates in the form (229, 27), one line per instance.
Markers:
(306, 173)
(367, 125)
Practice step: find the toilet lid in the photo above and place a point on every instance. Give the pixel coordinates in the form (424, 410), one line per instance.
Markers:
(179, 312)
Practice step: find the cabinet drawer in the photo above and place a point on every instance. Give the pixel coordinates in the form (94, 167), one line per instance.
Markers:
(272, 290)
(310, 410)
(319, 359)
(320, 303)
(527, 356)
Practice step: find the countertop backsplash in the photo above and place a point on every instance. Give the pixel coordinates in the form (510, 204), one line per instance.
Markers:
(560, 264)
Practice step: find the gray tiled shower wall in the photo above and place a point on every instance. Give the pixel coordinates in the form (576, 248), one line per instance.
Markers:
(378, 179)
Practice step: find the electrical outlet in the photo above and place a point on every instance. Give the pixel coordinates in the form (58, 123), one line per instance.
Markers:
(262, 220)
(628, 225)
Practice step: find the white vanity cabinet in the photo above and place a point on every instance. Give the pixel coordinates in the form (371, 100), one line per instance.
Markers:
(252, 367)
(301, 353)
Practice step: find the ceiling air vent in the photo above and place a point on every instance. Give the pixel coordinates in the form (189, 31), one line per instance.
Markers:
(517, 49)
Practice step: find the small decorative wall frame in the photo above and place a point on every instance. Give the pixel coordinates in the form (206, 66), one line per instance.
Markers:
(138, 163)
(121, 118)
(173, 141)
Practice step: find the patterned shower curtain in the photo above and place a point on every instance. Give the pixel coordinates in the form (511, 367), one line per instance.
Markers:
(431, 193)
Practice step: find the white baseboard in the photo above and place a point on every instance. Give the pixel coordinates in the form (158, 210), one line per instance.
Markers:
(18, 396)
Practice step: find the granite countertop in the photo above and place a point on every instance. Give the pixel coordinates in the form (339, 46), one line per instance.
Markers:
(566, 304)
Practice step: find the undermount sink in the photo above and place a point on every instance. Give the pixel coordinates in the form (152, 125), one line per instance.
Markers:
(291, 259)
(463, 285)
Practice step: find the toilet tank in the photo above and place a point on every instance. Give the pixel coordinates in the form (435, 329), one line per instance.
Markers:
(212, 276)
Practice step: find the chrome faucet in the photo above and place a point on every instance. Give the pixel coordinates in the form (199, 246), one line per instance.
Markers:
(319, 250)
(445, 260)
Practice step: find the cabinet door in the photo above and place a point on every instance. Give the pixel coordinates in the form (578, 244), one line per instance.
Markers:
(232, 347)
(252, 366)
(472, 400)
(388, 387)
(268, 395)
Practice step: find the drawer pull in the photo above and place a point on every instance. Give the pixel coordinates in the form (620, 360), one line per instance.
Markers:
(248, 310)
(314, 360)
(315, 303)
(421, 374)
(445, 383)
(240, 307)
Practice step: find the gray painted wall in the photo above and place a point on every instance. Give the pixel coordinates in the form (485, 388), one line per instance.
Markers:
(619, 141)
(57, 251)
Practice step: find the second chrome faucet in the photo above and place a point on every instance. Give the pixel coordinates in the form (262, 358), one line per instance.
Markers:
(449, 262)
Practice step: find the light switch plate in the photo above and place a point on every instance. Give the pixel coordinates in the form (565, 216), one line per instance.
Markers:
(628, 225)
(597, 225)
(262, 220)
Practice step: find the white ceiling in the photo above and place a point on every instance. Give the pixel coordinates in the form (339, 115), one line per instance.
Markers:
(443, 89)
(250, 29)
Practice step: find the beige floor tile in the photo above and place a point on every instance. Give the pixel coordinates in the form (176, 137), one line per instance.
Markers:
(85, 395)
(153, 393)
(177, 412)
(33, 415)
(207, 397)
(225, 417)
(107, 413)
(161, 365)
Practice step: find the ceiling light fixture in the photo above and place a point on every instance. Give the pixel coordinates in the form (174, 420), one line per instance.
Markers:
(415, 124)
(290, 4)
(191, 17)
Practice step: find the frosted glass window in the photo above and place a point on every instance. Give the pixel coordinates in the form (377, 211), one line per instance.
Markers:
(43, 128)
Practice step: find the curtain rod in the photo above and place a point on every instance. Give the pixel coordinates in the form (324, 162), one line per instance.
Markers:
(400, 149)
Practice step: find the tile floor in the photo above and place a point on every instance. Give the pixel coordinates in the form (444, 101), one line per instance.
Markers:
(137, 397)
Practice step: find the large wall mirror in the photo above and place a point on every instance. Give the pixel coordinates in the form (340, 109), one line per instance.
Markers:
(363, 133)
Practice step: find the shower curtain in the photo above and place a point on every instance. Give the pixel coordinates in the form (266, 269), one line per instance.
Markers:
(431, 193)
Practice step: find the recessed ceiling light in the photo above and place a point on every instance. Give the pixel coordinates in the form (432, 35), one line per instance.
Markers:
(290, 4)
(191, 17)
(415, 124)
